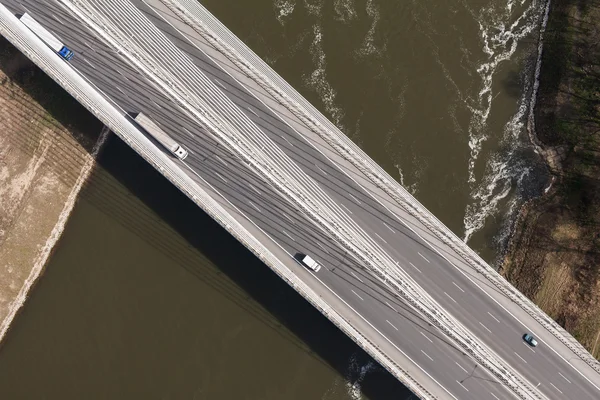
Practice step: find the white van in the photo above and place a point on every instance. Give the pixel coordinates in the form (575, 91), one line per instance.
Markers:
(310, 263)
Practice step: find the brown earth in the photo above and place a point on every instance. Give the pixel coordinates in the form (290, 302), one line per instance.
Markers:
(46, 141)
(554, 257)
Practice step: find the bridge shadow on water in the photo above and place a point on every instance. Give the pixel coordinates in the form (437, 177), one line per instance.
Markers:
(146, 204)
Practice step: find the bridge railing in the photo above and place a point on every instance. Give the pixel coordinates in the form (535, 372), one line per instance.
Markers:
(74, 84)
(220, 36)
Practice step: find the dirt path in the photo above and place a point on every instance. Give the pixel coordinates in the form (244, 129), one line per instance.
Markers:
(43, 165)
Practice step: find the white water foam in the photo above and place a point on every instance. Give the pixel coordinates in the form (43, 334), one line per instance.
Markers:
(355, 376)
(344, 10)
(368, 47)
(285, 8)
(503, 172)
(317, 80)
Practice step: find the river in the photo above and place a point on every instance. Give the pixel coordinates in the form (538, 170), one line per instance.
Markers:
(146, 297)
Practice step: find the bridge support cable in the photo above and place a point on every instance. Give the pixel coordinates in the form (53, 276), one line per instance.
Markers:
(102, 109)
(289, 184)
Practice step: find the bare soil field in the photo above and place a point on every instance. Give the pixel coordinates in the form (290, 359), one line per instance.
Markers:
(554, 257)
(47, 142)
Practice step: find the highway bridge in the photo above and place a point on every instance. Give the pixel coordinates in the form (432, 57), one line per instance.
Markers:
(283, 179)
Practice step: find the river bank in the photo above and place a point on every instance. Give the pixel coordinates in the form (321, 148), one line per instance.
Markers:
(554, 256)
(48, 144)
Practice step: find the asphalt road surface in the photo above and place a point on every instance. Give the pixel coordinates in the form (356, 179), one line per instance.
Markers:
(359, 295)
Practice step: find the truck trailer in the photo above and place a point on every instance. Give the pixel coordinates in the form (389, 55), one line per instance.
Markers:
(47, 37)
(160, 135)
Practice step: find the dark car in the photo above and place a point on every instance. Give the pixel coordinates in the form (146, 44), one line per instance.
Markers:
(530, 340)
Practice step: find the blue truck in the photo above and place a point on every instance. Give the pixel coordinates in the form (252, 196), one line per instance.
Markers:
(47, 37)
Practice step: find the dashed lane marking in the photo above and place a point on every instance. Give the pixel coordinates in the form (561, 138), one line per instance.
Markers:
(387, 226)
(356, 276)
(286, 234)
(497, 320)
(450, 297)
(415, 267)
(461, 367)
(556, 388)
(426, 355)
(463, 386)
(255, 207)
(425, 336)
(391, 324)
(517, 354)
(459, 288)
(424, 258)
(219, 175)
(357, 295)
(380, 238)
(564, 377)
(390, 306)
(346, 208)
(485, 327)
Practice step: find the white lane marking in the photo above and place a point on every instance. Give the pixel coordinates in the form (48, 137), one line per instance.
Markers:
(387, 226)
(461, 367)
(485, 327)
(496, 397)
(254, 205)
(156, 104)
(357, 295)
(119, 89)
(187, 130)
(289, 219)
(459, 288)
(497, 320)
(390, 306)
(328, 288)
(425, 336)
(356, 276)
(564, 377)
(325, 173)
(355, 199)
(556, 388)
(462, 386)
(380, 237)
(88, 63)
(220, 159)
(219, 175)
(89, 47)
(426, 355)
(284, 138)
(391, 324)
(252, 111)
(528, 346)
(463, 273)
(347, 209)
(324, 249)
(219, 83)
(253, 188)
(415, 267)
(520, 357)
(57, 20)
(450, 297)
(286, 234)
(424, 258)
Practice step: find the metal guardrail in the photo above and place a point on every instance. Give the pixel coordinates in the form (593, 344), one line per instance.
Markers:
(270, 81)
(67, 78)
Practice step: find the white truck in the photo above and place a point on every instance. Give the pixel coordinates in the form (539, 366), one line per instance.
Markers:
(160, 135)
(47, 37)
(309, 262)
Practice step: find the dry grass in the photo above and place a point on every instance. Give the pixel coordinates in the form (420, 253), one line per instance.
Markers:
(554, 257)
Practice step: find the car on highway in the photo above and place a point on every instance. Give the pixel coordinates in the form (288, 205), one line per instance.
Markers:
(308, 262)
(530, 340)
